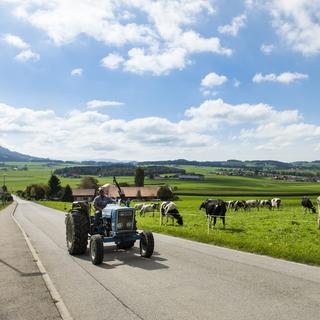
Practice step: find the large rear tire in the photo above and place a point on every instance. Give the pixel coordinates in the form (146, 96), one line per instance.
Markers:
(77, 229)
(126, 245)
(146, 244)
(96, 249)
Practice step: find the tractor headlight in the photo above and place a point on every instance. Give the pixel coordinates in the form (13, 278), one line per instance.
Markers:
(120, 225)
(129, 225)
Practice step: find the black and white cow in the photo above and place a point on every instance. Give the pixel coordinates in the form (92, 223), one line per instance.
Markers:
(307, 204)
(266, 204)
(169, 209)
(239, 204)
(148, 208)
(253, 204)
(275, 202)
(214, 208)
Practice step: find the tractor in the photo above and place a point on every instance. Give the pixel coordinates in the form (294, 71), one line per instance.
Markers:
(117, 224)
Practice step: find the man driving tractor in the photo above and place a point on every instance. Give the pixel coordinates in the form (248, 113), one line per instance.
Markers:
(99, 204)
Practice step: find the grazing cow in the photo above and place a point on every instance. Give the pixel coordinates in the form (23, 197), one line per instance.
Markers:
(266, 203)
(239, 204)
(148, 208)
(138, 206)
(253, 204)
(275, 202)
(230, 204)
(214, 208)
(169, 209)
(307, 204)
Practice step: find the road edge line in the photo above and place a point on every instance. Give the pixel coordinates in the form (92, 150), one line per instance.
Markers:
(57, 299)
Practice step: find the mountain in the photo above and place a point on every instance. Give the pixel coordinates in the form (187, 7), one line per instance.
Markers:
(7, 155)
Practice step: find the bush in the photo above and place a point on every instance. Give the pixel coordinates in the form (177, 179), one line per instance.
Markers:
(165, 193)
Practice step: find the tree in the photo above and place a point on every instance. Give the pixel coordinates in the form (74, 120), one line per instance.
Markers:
(35, 191)
(67, 194)
(54, 185)
(165, 193)
(4, 188)
(89, 183)
(139, 177)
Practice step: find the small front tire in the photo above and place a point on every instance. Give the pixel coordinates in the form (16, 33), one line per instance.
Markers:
(96, 249)
(146, 244)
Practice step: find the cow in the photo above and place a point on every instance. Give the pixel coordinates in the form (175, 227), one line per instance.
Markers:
(239, 204)
(214, 208)
(148, 208)
(253, 204)
(230, 204)
(266, 203)
(169, 209)
(138, 206)
(307, 204)
(275, 202)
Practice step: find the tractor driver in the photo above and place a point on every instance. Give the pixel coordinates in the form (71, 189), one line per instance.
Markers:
(99, 203)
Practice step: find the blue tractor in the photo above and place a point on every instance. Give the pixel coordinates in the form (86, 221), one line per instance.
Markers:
(117, 224)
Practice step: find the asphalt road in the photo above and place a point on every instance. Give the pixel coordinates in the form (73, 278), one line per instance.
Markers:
(183, 280)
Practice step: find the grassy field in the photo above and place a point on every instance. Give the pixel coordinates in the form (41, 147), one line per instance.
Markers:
(288, 233)
(213, 185)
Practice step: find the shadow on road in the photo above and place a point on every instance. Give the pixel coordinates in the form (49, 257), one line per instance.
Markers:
(22, 274)
(114, 258)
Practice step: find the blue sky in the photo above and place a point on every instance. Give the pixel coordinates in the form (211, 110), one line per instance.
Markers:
(149, 80)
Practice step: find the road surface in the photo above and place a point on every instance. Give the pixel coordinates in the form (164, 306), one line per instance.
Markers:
(183, 280)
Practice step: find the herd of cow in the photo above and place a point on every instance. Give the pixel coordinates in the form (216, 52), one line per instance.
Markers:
(217, 208)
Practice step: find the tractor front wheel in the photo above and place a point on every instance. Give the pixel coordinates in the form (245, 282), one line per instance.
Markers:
(96, 249)
(146, 244)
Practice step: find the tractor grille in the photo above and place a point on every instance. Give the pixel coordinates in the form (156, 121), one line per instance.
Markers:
(125, 220)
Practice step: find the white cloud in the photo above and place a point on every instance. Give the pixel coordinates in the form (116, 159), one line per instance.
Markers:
(26, 55)
(77, 72)
(236, 83)
(150, 31)
(212, 79)
(267, 48)
(15, 41)
(213, 130)
(112, 61)
(298, 23)
(233, 28)
(97, 104)
(286, 77)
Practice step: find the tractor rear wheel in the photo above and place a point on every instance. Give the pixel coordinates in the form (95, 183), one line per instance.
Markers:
(77, 229)
(96, 249)
(146, 244)
(126, 245)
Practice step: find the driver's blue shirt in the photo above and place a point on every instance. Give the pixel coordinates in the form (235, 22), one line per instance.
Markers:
(101, 201)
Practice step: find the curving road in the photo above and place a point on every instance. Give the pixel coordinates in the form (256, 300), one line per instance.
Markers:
(183, 280)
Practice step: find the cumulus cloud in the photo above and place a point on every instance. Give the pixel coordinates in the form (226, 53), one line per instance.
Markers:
(97, 104)
(213, 130)
(77, 72)
(150, 31)
(233, 28)
(26, 55)
(286, 77)
(267, 48)
(15, 41)
(112, 61)
(210, 81)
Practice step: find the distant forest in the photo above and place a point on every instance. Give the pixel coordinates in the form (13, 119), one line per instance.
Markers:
(253, 165)
(116, 170)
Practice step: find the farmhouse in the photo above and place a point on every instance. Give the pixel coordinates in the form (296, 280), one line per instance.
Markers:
(146, 193)
(83, 194)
